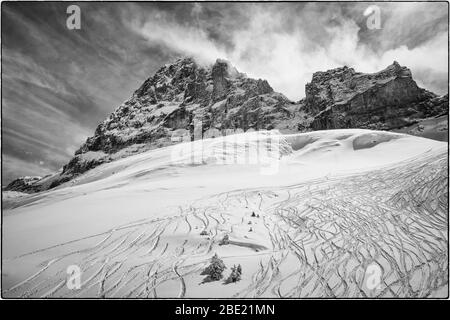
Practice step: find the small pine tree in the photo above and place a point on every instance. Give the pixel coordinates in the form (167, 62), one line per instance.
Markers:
(253, 214)
(215, 269)
(235, 274)
(225, 240)
(250, 230)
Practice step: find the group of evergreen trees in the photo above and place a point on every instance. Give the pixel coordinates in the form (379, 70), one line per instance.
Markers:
(215, 270)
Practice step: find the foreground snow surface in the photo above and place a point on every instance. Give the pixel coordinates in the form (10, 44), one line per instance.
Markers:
(334, 203)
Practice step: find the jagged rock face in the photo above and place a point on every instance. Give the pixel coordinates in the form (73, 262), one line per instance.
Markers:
(389, 99)
(23, 184)
(175, 96)
(220, 77)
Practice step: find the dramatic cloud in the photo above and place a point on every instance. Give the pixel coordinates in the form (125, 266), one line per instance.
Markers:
(285, 44)
(59, 83)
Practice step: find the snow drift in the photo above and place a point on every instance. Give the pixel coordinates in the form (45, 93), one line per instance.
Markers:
(305, 215)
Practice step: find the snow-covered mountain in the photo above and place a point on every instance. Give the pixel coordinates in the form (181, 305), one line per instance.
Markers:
(185, 100)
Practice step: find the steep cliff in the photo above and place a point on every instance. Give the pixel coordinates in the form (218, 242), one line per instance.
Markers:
(386, 100)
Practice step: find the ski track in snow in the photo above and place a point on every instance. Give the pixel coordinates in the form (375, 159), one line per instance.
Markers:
(320, 236)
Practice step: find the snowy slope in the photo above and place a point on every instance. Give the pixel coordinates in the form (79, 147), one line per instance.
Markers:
(329, 203)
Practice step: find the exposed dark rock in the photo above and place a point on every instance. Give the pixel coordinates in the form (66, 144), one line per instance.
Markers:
(389, 99)
(178, 96)
(220, 77)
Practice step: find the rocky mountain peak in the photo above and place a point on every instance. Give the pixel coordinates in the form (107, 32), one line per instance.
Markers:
(24, 184)
(169, 81)
(341, 85)
(394, 70)
(344, 73)
(173, 99)
(388, 99)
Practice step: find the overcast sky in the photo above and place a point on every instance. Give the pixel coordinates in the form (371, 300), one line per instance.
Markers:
(58, 84)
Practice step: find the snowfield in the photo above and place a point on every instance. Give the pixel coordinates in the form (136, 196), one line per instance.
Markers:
(308, 218)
